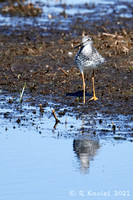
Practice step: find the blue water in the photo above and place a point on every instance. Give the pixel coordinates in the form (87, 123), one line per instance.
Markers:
(52, 13)
(37, 167)
(41, 161)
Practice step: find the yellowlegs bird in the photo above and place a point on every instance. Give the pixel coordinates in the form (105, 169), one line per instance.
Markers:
(88, 58)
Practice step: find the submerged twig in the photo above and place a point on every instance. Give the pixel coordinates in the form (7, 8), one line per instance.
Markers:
(41, 108)
(113, 127)
(21, 93)
(57, 120)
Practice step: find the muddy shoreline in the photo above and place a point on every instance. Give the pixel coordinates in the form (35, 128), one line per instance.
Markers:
(38, 56)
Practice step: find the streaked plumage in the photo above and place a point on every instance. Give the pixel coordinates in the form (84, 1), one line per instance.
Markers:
(88, 58)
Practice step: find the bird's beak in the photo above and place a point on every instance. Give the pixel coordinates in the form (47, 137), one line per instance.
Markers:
(78, 46)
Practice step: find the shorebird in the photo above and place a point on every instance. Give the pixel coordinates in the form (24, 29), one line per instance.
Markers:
(88, 58)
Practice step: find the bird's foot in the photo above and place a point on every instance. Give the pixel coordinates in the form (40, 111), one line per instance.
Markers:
(94, 98)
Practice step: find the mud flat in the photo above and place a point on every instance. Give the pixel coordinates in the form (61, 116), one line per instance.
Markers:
(41, 55)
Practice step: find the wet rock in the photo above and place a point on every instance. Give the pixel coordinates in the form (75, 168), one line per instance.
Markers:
(10, 101)
(7, 115)
(18, 120)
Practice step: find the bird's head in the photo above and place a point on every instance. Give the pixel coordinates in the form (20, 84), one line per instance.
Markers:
(86, 40)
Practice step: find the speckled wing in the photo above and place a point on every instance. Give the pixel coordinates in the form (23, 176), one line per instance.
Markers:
(90, 61)
(96, 57)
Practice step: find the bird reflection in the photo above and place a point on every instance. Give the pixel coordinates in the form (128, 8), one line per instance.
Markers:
(85, 149)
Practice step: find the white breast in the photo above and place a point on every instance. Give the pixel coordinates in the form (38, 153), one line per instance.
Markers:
(87, 50)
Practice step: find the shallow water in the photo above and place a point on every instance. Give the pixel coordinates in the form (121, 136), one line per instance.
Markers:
(60, 14)
(68, 161)
(35, 167)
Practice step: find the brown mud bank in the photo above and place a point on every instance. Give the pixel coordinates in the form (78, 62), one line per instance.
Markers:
(46, 64)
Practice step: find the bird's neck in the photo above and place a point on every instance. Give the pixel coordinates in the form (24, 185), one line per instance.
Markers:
(87, 50)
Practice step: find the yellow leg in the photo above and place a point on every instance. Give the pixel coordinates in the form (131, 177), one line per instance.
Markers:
(83, 87)
(94, 95)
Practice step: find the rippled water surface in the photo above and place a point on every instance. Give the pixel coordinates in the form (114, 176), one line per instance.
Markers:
(78, 158)
(60, 14)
